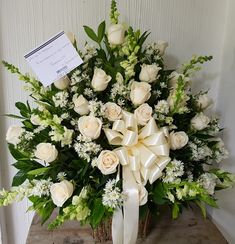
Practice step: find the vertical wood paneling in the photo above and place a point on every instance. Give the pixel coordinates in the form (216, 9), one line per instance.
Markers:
(191, 27)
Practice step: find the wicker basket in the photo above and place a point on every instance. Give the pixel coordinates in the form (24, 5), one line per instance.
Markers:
(103, 232)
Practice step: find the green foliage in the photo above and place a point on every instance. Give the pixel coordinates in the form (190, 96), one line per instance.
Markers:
(13, 69)
(97, 213)
(17, 154)
(96, 37)
(192, 66)
(114, 13)
(43, 206)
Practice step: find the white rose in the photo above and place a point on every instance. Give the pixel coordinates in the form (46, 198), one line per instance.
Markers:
(35, 119)
(143, 114)
(61, 192)
(140, 92)
(149, 72)
(81, 105)
(143, 195)
(178, 139)
(200, 121)
(161, 46)
(116, 34)
(204, 101)
(90, 126)
(100, 80)
(113, 111)
(62, 83)
(107, 162)
(13, 134)
(46, 152)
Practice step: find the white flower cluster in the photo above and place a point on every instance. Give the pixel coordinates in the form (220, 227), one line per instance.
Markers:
(97, 108)
(33, 188)
(112, 196)
(41, 187)
(61, 99)
(120, 89)
(220, 152)
(208, 181)
(86, 148)
(89, 52)
(199, 150)
(173, 171)
(61, 176)
(162, 107)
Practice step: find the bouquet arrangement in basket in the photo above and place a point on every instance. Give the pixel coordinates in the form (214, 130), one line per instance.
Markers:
(116, 137)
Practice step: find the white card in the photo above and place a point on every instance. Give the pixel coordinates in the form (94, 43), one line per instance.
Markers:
(53, 59)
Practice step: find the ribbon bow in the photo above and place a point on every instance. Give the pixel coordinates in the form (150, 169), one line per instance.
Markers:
(143, 154)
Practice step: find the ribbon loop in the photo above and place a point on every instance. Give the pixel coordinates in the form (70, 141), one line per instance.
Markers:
(143, 155)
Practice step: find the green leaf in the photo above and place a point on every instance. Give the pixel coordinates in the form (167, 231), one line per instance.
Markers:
(21, 106)
(43, 207)
(97, 213)
(28, 124)
(202, 206)
(16, 153)
(91, 33)
(175, 211)
(208, 200)
(38, 171)
(23, 109)
(14, 116)
(26, 165)
(19, 178)
(101, 31)
(159, 194)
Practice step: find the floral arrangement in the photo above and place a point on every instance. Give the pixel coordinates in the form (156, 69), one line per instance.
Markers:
(119, 135)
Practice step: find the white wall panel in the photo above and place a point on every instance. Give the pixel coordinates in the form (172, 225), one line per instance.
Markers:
(190, 26)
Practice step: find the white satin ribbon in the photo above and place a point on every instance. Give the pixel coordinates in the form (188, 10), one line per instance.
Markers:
(143, 154)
